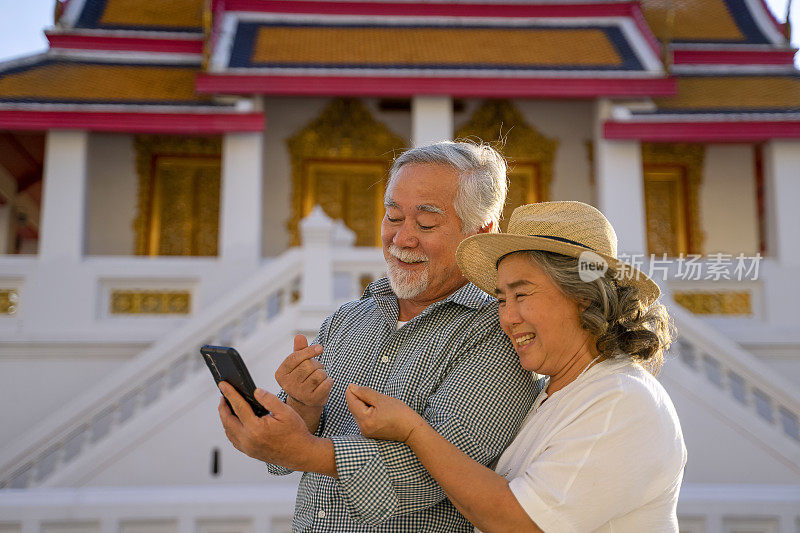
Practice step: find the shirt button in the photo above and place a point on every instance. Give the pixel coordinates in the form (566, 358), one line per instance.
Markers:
(384, 359)
(321, 514)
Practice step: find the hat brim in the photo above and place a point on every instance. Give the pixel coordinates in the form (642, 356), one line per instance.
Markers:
(478, 255)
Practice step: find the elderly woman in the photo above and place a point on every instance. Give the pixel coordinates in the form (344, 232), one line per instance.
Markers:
(602, 448)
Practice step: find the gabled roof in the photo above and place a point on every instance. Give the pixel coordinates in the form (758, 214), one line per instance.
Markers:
(172, 57)
(114, 92)
(405, 48)
(429, 48)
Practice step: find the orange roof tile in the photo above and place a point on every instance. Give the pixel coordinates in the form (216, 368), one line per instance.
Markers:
(67, 81)
(434, 46)
(185, 13)
(168, 15)
(734, 93)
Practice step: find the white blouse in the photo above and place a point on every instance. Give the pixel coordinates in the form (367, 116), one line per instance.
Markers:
(605, 453)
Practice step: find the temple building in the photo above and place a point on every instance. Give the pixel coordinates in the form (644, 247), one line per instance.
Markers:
(183, 172)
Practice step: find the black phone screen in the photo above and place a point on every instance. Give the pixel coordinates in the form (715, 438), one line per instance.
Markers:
(226, 364)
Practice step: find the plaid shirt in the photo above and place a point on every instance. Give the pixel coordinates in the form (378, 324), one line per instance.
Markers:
(453, 365)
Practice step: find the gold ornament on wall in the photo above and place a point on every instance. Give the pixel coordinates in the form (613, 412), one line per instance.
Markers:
(150, 302)
(716, 302)
(178, 195)
(673, 173)
(340, 161)
(9, 299)
(530, 154)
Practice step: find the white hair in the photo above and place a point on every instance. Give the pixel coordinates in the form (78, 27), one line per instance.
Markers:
(482, 183)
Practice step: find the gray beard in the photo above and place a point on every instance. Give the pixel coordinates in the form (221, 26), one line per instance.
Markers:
(406, 285)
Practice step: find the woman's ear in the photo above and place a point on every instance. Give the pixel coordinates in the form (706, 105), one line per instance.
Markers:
(583, 304)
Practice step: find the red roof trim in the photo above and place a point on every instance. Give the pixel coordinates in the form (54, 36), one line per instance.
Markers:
(752, 131)
(178, 123)
(462, 87)
(432, 9)
(733, 57)
(138, 44)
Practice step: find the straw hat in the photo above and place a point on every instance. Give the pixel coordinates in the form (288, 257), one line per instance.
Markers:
(574, 229)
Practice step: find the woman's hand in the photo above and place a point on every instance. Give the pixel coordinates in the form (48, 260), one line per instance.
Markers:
(380, 416)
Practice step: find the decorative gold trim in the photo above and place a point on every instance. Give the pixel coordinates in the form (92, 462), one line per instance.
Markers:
(155, 150)
(9, 298)
(345, 137)
(529, 153)
(150, 302)
(665, 192)
(688, 158)
(716, 303)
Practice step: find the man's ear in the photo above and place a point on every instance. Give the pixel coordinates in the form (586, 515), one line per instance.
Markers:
(487, 228)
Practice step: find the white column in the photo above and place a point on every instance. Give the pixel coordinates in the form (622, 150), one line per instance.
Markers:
(431, 119)
(619, 182)
(62, 229)
(241, 199)
(782, 191)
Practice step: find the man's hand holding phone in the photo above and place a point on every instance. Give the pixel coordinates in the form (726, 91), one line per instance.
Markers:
(280, 437)
(305, 382)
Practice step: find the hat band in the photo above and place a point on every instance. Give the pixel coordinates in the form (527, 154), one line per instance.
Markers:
(562, 239)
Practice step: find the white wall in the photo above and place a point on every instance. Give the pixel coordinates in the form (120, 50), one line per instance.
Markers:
(284, 118)
(112, 184)
(569, 123)
(728, 200)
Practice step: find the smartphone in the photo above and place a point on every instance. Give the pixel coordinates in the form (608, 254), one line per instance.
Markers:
(226, 364)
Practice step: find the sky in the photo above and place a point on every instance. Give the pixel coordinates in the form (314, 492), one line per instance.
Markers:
(23, 21)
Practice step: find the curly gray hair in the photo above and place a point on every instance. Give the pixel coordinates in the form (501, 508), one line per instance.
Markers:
(615, 315)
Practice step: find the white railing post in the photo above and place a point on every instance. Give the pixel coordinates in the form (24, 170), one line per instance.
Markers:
(317, 234)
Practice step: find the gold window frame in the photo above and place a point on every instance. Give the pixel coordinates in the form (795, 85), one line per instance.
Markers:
(676, 175)
(151, 151)
(373, 195)
(688, 159)
(344, 133)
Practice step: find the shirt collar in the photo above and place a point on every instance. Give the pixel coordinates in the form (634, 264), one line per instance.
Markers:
(469, 296)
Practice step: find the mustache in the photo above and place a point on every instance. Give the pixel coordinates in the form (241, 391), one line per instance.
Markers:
(407, 256)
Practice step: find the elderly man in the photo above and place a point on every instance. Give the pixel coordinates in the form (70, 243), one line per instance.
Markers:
(424, 335)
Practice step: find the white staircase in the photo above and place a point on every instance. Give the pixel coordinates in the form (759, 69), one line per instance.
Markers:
(78, 428)
(739, 388)
(292, 293)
